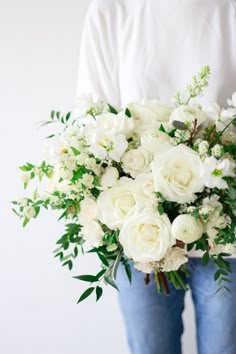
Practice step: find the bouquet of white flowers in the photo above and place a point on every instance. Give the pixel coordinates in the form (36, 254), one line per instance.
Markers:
(145, 184)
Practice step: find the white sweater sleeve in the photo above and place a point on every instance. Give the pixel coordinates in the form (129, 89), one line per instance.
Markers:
(98, 61)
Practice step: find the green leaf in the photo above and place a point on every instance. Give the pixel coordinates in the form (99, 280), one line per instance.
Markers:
(101, 273)
(25, 222)
(127, 112)
(75, 151)
(205, 258)
(88, 278)
(86, 294)
(103, 259)
(128, 272)
(162, 129)
(68, 116)
(160, 209)
(76, 252)
(69, 264)
(217, 274)
(112, 109)
(99, 292)
(52, 114)
(111, 282)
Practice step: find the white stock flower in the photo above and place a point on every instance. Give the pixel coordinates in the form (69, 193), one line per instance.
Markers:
(187, 114)
(109, 177)
(187, 228)
(214, 170)
(88, 211)
(29, 212)
(146, 236)
(203, 147)
(116, 204)
(93, 233)
(174, 259)
(136, 161)
(216, 249)
(149, 114)
(217, 150)
(232, 102)
(156, 142)
(177, 174)
(25, 178)
(22, 201)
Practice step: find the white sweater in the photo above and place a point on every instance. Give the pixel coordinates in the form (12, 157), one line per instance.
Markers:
(134, 49)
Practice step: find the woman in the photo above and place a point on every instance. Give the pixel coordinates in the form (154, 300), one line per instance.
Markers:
(134, 49)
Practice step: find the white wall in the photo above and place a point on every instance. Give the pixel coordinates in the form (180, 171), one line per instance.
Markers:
(38, 313)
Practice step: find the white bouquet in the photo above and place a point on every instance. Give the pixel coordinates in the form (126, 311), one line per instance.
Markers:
(144, 184)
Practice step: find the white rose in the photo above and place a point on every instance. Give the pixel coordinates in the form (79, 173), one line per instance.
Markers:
(149, 114)
(174, 259)
(116, 204)
(109, 178)
(156, 142)
(115, 124)
(148, 268)
(146, 236)
(88, 211)
(177, 174)
(93, 233)
(136, 161)
(186, 228)
(143, 187)
(187, 114)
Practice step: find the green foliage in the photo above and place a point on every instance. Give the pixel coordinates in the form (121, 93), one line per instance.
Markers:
(223, 271)
(71, 239)
(112, 109)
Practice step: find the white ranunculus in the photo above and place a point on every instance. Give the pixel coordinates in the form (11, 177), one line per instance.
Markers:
(93, 233)
(136, 161)
(187, 114)
(174, 259)
(232, 102)
(88, 211)
(187, 228)
(177, 174)
(149, 114)
(116, 204)
(214, 170)
(109, 177)
(146, 236)
(156, 142)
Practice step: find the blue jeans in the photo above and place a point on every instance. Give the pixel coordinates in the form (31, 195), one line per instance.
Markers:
(154, 321)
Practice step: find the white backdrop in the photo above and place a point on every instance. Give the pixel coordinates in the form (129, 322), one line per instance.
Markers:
(39, 47)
